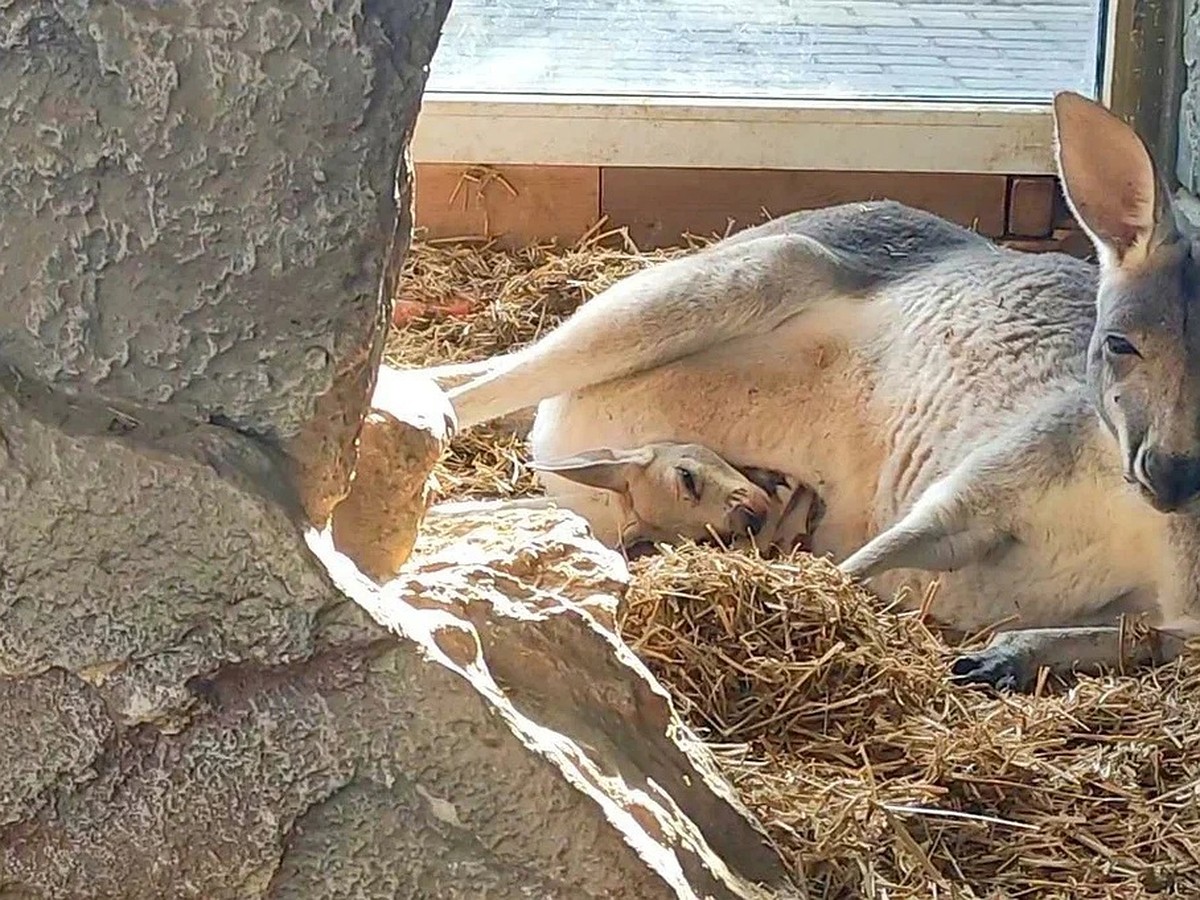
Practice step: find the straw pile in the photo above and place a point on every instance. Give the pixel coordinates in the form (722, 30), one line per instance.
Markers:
(461, 302)
(879, 779)
(830, 712)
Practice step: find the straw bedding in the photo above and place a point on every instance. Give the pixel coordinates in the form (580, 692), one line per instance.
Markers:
(831, 712)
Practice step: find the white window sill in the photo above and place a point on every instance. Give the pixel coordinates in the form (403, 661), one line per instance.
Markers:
(836, 135)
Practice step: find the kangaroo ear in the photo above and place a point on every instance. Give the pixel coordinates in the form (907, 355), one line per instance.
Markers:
(608, 470)
(1110, 182)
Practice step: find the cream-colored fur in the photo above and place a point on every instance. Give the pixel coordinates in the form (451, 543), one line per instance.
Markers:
(965, 412)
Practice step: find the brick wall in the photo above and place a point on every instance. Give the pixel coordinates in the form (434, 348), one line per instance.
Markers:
(522, 204)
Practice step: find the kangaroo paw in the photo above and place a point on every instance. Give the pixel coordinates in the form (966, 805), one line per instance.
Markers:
(767, 479)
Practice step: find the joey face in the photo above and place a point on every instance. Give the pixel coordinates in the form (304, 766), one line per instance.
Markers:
(690, 492)
(672, 491)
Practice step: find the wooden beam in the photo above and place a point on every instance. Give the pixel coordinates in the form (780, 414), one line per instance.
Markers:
(1146, 73)
(659, 205)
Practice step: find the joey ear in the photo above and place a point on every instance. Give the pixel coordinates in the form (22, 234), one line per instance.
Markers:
(608, 470)
(1110, 182)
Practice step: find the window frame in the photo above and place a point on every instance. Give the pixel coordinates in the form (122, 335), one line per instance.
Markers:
(1144, 73)
(1140, 75)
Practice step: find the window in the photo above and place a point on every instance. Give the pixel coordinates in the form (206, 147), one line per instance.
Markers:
(975, 50)
(885, 85)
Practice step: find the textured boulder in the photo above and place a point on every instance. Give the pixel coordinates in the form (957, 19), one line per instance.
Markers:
(199, 696)
(521, 606)
(230, 724)
(197, 207)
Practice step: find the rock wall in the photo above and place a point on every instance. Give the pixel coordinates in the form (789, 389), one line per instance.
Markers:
(199, 696)
(190, 708)
(196, 203)
(1188, 168)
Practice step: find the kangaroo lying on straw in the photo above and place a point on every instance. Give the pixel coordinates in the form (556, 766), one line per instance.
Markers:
(1019, 426)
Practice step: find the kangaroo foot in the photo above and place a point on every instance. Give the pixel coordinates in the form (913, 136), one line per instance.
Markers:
(1003, 665)
(1012, 660)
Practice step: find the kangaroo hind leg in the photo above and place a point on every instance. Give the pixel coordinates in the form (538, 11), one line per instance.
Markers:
(662, 314)
(1013, 659)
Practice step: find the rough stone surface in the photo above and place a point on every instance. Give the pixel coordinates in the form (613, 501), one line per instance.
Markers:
(196, 200)
(402, 438)
(522, 604)
(1188, 163)
(198, 696)
(231, 725)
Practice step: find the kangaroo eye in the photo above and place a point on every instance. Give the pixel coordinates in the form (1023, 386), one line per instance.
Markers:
(1119, 346)
(688, 480)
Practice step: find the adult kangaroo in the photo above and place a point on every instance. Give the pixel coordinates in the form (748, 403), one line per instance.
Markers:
(1023, 427)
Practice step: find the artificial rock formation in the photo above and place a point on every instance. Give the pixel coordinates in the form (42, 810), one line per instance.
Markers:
(199, 696)
(197, 207)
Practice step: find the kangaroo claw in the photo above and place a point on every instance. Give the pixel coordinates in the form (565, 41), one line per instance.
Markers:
(1002, 665)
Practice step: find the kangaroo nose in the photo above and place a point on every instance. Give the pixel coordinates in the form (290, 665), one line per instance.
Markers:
(1174, 480)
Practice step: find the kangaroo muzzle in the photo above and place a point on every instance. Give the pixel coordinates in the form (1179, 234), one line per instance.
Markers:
(1171, 481)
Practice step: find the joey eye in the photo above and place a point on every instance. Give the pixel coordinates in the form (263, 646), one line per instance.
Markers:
(1119, 346)
(688, 480)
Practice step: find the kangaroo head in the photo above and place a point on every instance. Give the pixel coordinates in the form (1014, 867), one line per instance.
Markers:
(671, 490)
(1144, 359)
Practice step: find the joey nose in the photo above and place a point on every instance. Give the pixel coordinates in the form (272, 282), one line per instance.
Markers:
(747, 519)
(1173, 480)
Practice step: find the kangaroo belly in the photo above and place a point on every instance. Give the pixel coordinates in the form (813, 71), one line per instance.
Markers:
(789, 401)
(1078, 550)
(599, 508)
